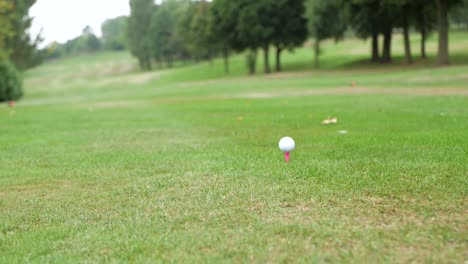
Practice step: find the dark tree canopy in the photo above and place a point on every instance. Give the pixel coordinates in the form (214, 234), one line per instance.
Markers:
(290, 27)
(459, 15)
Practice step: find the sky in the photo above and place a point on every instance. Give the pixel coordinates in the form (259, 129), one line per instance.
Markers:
(62, 20)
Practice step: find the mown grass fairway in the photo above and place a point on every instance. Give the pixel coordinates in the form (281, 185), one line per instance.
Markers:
(99, 164)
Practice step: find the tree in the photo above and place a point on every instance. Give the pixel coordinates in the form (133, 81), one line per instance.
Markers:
(256, 28)
(425, 20)
(459, 15)
(406, 11)
(16, 47)
(162, 32)
(364, 18)
(223, 25)
(251, 61)
(193, 29)
(89, 41)
(138, 31)
(113, 33)
(327, 19)
(92, 43)
(201, 39)
(290, 27)
(6, 27)
(443, 8)
(184, 31)
(389, 13)
(375, 17)
(22, 49)
(54, 50)
(167, 42)
(10, 82)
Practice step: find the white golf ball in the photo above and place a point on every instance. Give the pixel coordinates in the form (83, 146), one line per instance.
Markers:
(287, 144)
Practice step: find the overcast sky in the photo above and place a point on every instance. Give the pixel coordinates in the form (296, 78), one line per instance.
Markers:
(62, 20)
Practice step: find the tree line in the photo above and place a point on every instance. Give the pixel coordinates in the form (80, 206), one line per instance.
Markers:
(113, 38)
(161, 33)
(185, 30)
(178, 29)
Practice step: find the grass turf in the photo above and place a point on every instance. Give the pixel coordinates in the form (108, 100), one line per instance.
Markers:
(101, 165)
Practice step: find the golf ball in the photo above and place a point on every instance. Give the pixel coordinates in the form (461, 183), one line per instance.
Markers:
(287, 144)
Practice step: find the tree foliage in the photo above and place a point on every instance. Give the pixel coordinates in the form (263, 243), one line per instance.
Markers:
(138, 31)
(443, 7)
(10, 82)
(198, 30)
(15, 41)
(424, 20)
(224, 17)
(17, 49)
(459, 15)
(201, 41)
(168, 44)
(6, 26)
(327, 19)
(371, 18)
(114, 33)
(290, 27)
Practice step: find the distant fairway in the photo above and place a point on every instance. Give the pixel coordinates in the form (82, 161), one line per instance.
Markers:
(102, 163)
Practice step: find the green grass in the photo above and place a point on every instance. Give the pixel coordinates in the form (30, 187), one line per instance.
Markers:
(101, 163)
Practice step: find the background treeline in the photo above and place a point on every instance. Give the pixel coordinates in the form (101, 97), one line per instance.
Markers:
(113, 38)
(188, 30)
(185, 30)
(201, 30)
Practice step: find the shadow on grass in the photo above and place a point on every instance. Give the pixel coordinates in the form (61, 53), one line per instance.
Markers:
(365, 64)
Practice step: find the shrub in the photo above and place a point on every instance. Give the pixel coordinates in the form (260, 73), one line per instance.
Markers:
(10, 82)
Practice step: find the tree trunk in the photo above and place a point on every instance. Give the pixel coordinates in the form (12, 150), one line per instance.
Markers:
(252, 61)
(443, 53)
(423, 44)
(146, 64)
(226, 60)
(278, 59)
(266, 53)
(406, 40)
(210, 58)
(317, 53)
(387, 46)
(169, 62)
(375, 47)
(142, 63)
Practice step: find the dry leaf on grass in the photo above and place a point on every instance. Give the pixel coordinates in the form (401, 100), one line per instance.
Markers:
(330, 120)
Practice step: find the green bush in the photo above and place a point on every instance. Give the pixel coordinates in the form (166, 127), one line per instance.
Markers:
(10, 82)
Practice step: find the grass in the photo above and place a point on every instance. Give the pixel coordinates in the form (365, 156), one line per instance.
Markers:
(100, 163)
